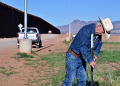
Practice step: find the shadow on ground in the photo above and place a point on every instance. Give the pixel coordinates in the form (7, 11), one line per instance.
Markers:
(45, 47)
(89, 83)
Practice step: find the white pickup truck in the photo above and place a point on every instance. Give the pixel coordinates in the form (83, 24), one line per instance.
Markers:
(32, 33)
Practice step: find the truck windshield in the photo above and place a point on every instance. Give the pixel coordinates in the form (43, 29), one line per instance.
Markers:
(30, 30)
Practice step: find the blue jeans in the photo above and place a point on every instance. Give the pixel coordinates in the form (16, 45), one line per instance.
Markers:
(74, 66)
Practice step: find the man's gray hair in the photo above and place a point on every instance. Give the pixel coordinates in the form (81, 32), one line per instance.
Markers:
(99, 23)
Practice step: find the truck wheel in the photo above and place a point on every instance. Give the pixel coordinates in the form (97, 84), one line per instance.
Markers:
(18, 46)
(37, 46)
(40, 44)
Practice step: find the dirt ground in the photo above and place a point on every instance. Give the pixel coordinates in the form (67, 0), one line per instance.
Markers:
(113, 38)
(23, 75)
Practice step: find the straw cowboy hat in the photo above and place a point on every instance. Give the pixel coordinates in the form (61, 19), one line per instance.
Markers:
(107, 25)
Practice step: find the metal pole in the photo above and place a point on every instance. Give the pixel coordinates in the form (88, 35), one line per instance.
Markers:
(25, 20)
(109, 74)
(69, 21)
(92, 57)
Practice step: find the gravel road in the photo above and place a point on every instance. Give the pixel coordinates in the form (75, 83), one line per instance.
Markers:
(12, 42)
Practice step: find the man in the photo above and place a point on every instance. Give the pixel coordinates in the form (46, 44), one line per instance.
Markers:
(79, 51)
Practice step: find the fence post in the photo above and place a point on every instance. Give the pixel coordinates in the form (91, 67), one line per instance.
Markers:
(92, 58)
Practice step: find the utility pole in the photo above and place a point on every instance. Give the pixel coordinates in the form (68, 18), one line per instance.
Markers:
(92, 58)
(25, 44)
(25, 20)
(69, 21)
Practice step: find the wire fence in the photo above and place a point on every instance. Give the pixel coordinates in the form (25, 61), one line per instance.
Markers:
(103, 71)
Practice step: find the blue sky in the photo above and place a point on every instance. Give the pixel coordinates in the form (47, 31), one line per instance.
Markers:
(56, 12)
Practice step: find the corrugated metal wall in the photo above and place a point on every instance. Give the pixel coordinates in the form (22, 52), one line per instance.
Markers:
(11, 17)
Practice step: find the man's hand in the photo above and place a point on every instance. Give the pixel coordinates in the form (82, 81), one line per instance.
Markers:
(95, 58)
(92, 64)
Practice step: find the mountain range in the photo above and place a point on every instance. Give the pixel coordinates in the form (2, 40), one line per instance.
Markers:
(76, 25)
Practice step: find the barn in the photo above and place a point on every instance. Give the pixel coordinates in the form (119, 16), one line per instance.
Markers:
(11, 17)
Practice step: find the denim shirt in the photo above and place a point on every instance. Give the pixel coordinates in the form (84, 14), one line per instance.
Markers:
(81, 44)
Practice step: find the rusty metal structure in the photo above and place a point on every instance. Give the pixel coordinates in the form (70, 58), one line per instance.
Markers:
(10, 18)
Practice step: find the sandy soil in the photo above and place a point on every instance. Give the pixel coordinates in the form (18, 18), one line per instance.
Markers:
(113, 38)
(24, 75)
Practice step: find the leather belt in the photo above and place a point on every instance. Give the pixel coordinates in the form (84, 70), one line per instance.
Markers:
(74, 54)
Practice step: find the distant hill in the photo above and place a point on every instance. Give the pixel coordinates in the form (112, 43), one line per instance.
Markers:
(76, 25)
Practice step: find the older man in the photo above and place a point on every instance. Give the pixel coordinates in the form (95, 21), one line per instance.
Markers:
(79, 51)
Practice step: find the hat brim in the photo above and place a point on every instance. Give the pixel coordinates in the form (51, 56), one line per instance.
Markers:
(100, 18)
(107, 34)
